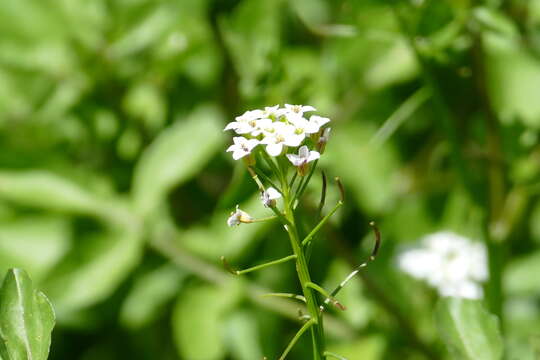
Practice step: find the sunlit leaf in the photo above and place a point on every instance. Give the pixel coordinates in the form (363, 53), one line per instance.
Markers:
(371, 182)
(197, 324)
(46, 190)
(177, 154)
(149, 295)
(518, 279)
(243, 336)
(35, 243)
(93, 270)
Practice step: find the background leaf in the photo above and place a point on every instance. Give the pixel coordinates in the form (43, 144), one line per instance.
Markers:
(177, 154)
(468, 330)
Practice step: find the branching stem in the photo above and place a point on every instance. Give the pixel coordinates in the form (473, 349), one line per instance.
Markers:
(257, 267)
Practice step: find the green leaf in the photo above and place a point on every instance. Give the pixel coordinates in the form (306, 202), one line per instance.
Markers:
(149, 294)
(366, 348)
(46, 190)
(468, 330)
(93, 270)
(178, 153)
(513, 79)
(252, 36)
(372, 183)
(519, 279)
(243, 336)
(197, 323)
(26, 319)
(35, 243)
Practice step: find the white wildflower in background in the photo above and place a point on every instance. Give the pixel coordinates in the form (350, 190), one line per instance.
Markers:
(269, 197)
(238, 216)
(453, 264)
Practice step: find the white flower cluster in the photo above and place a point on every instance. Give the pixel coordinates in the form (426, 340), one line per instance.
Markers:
(452, 264)
(277, 128)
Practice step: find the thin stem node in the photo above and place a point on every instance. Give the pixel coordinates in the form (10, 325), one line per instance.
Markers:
(254, 268)
(294, 340)
(371, 257)
(341, 188)
(323, 193)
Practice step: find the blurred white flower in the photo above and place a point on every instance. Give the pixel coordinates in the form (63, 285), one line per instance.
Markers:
(238, 216)
(269, 197)
(242, 147)
(303, 158)
(451, 263)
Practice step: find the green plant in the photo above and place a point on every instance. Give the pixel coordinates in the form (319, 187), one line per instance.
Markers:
(283, 131)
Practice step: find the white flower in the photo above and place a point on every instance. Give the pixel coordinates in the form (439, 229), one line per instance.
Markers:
(299, 110)
(246, 122)
(278, 136)
(242, 147)
(269, 197)
(273, 112)
(318, 121)
(262, 126)
(303, 126)
(303, 158)
(452, 264)
(238, 216)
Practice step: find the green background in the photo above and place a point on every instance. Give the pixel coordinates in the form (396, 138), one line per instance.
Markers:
(115, 186)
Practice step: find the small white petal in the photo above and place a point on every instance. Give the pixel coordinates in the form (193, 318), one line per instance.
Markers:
(313, 155)
(294, 139)
(231, 126)
(303, 152)
(238, 154)
(295, 159)
(319, 120)
(273, 194)
(274, 149)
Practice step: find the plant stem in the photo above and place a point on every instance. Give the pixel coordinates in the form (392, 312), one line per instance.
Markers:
(317, 332)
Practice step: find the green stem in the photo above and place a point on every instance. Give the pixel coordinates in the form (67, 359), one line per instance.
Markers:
(305, 279)
(287, 295)
(321, 223)
(304, 185)
(257, 267)
(302, 330)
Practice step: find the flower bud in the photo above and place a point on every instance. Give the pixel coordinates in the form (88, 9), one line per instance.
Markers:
(323, 139)
(238, 216)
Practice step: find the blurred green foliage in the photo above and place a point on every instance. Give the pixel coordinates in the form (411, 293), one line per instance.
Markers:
(115, 187)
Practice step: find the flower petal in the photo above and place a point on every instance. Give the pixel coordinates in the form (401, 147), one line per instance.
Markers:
(274, 149)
